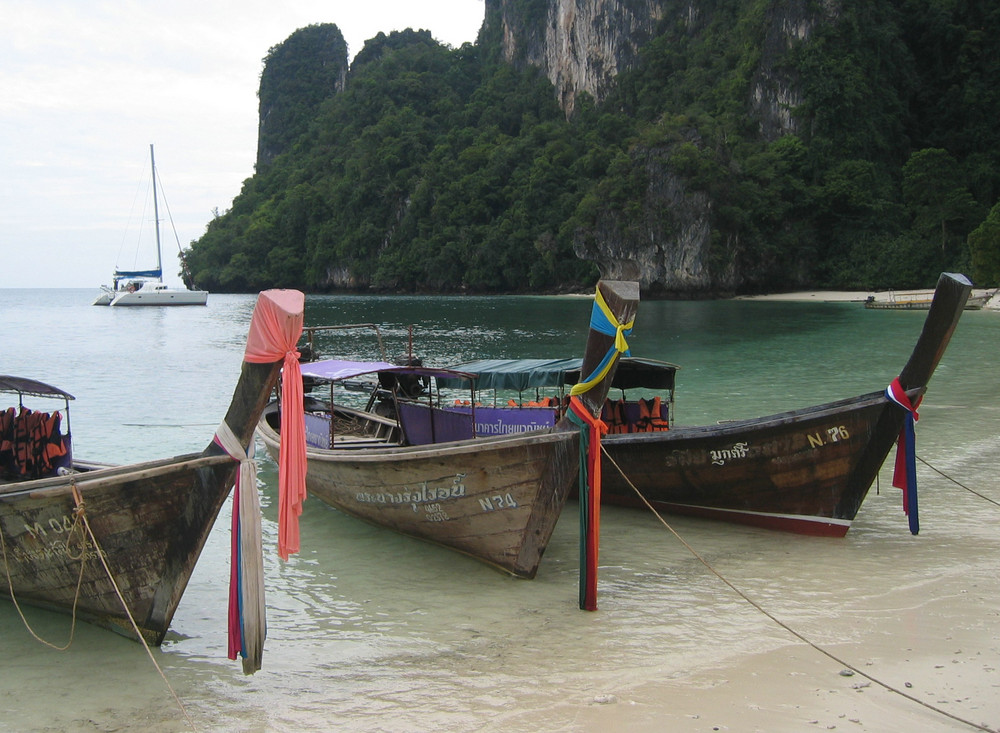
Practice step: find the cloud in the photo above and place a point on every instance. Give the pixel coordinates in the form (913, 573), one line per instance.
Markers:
(88, 86)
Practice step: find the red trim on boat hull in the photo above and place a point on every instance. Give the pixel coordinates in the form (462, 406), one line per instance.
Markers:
(805, 525)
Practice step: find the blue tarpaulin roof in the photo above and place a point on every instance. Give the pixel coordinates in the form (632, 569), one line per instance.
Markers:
(333, 370)
(521, 374)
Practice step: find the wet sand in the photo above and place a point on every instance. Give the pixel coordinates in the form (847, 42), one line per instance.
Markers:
(795, 687)
(369, 631)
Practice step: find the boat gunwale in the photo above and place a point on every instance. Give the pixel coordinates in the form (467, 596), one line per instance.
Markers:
(112, 474)
(789, 417)
(373, 451)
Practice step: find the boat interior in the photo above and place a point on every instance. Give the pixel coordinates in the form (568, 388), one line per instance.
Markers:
(34, 443)
(412, 405)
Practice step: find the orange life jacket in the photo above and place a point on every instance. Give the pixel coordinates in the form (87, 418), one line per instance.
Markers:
(37, 440)
(34, 443)
(7, 431)
(55, 446)
(614, 416)
(650, 416)
(22, 441)
(6, 440)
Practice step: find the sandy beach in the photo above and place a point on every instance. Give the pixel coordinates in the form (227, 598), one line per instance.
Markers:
(858, 296)
(816, 296)
(373, 632)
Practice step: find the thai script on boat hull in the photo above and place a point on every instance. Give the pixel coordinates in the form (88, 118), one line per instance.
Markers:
(738, 450)
(424, 494)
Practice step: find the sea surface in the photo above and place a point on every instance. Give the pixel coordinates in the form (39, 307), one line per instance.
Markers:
(369, 631)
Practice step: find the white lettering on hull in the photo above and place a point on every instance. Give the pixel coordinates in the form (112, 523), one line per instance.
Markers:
(739, 450)
(416, 497)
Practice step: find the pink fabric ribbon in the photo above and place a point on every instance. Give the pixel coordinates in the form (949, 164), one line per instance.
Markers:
(274, 333)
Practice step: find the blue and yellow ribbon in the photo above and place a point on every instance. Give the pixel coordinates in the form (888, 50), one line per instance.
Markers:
(603, 321)
(591, 428)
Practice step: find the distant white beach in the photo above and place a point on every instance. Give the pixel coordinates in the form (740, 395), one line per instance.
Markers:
(859, 296)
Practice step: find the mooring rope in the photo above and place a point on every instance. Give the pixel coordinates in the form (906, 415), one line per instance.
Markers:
(82, 514)
(958, 483)
(781, 623)
(79, 582)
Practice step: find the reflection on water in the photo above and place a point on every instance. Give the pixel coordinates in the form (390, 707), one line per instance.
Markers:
(369, 631)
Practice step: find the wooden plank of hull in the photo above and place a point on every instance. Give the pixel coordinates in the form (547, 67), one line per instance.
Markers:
(806, 471)
(151, 524)
(496, 499)
(151, 521)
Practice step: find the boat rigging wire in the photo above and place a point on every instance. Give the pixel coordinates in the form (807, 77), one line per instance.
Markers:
(170, 216)
(782, 624)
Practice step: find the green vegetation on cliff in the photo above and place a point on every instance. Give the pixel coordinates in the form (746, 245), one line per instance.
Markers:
(436, 169)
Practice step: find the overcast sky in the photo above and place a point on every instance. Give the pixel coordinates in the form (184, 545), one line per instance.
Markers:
(87, 85)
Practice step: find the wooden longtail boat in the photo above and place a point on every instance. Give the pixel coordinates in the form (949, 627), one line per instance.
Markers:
(150, 520)
(494, 498)
(806, 471)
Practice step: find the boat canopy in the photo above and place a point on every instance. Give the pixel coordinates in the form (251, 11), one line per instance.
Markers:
(521, 374)
(335, 370)
(517, 374)
(23, 386)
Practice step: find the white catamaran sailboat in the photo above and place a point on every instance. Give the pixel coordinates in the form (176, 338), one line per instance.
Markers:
(146, 287)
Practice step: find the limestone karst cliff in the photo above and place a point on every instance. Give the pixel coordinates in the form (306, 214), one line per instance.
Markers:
(703, 147)
(581, 45)
(298, 75)
(584, 46)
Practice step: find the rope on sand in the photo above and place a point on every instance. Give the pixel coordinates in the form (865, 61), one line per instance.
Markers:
(80, 517)
(100, 553)
(79, 581)
(958, 483)
(782, 624)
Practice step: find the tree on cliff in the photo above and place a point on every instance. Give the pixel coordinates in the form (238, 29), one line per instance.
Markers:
(984, 244)
(299, 74)
(428, 168)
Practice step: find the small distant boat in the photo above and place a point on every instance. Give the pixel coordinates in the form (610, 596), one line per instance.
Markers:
(920, 300)
(146, 287)
(146, 523)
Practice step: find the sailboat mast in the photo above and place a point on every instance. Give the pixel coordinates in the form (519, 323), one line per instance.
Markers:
(156, 215)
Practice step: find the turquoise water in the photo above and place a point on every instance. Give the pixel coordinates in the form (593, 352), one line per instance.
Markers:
(369, 631)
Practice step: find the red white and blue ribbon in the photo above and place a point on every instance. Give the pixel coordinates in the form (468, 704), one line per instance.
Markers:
(247, 615)
(904, 475)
